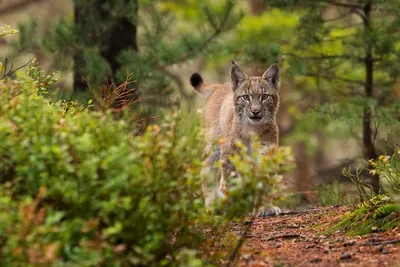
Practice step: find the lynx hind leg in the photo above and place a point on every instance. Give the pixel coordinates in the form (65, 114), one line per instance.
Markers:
(210, 175)
(211, 192)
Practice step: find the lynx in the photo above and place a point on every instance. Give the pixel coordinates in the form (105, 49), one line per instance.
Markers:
(233, 112)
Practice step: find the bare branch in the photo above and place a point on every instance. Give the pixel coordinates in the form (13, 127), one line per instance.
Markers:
(345, 4)
(178, 81)
(16, 6)
(356, 9)
(394, 241)
(340, 17)
(10, 71)
(376, 132)
(115, 98)
(343, 27)
(241, 241)
(312, 74)
(323, 57)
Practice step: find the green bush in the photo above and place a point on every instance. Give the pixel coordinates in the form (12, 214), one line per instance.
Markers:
(376, 212)
(80, 188)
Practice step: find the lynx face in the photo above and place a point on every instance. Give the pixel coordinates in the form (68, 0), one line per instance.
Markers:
(256, 102)
(256, 98)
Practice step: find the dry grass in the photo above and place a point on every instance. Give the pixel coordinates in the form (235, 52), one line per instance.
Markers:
(115, 98)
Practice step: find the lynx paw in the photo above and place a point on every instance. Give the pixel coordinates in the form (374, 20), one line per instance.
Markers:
(270, 212)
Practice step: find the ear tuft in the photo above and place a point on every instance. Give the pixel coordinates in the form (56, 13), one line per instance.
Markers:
(272, 76)
(237, 77)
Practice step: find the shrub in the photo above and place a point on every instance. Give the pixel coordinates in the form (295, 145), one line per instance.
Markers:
(376, 214)
(376, 211)
(83, 187)
(79, 188)
(259, 180)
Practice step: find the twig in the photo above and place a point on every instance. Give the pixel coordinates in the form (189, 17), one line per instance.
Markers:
(115, 98)
(344, 4)
(11, 71)
(334, 78)
(240, 243)
(357, 9)
(376, 132)
(16, 6)
(324, 57)
(394, 241)
(283, 236)
(340, 17)
(178, 81)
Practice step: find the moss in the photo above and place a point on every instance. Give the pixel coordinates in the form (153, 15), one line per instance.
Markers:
(370, 217)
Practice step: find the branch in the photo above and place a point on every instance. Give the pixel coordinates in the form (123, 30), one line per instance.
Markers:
(376, 132)
(340, 17)
(283, 236)
(323, 57)
(218, 27)
(11, 70)
(178, 81)
(380, 243)
(357, 9)
(241, 241)
(16, 6)
(345, 4)
(334, 39)
(343, 27)
(311, 74)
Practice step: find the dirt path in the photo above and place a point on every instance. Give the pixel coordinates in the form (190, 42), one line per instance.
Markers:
(295, 240)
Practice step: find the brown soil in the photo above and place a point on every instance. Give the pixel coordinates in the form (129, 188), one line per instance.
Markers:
(296, 240)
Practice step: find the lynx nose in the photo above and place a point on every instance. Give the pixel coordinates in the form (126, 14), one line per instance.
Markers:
(255, 112)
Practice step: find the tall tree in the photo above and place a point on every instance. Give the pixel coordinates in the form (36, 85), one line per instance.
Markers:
(108, 25)
(102, 41)
(352, 53)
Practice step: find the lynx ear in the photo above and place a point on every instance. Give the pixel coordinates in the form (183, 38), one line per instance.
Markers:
(237, 76)
(272, 76)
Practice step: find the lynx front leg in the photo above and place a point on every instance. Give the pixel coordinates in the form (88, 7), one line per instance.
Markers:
(268, 209)
(265, 147)
(227, 170)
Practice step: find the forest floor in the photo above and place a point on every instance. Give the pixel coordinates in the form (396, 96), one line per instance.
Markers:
(301, 239)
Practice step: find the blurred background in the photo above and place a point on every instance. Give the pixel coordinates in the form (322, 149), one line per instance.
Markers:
(340, 62)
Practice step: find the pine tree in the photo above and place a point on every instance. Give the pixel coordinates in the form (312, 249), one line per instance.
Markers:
(353, 55)
(111, 39)
(108, 25)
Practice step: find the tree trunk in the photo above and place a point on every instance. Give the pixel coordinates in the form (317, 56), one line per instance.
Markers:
(79, 62)
(257, 6)
(368, 142)
(120, 35)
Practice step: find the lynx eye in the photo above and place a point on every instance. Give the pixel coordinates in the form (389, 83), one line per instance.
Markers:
(246, 97)
(265, 97)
